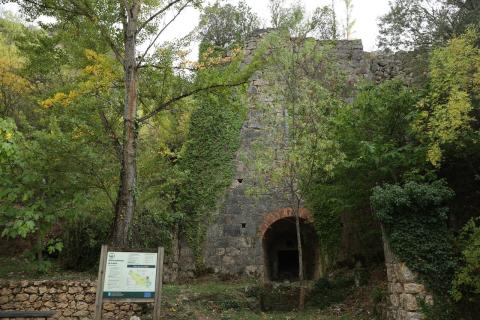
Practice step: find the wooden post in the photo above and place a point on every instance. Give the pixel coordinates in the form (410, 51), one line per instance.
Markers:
(100, 282)
(158, 285)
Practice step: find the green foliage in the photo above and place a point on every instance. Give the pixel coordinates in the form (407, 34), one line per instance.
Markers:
(376, 146)
(225, 26)
(207, 159)
(466, 285)
(422, 23)
(327, 292)
(414, 217)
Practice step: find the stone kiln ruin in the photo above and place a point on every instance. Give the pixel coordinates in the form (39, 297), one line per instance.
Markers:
(256, 235)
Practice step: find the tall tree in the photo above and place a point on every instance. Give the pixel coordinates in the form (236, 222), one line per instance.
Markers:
(224, 26)
(423, 23)
(120, 27)
(349, 20)
(294, 144)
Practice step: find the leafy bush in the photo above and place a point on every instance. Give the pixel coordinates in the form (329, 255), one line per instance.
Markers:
(414, 217)
(83, 238)
(466, 285)
(327, 292)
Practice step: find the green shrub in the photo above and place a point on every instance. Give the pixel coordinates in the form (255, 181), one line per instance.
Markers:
(327, 292)
(83, 238)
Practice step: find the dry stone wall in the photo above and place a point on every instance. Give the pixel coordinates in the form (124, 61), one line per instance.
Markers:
(405, 290)
(73, 300)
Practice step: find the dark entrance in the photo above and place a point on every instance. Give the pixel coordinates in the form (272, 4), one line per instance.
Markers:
(281, 252)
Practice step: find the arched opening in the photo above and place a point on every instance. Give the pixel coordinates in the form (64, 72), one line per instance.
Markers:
(281, 251)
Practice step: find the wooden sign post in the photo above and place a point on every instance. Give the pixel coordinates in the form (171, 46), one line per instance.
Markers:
(129, 276)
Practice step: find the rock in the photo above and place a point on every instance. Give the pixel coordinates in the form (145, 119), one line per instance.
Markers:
(80, 297)
(62, 305)
(67, 312)
(4, 300)
(73, 290)
(404, 274)
(62, 297)
(5, 292)
(33, 298)
(46, 297)
(22, 297)
(81, 313)
(230, 251)
(414, 316)
(82, 305)
(394, 300)
(408, 302)
(134, 318)
(414, 288)
(109, 306)
(31, 290)
(42, 289)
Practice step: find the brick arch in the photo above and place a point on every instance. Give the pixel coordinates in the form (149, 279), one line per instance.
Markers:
(272, 217)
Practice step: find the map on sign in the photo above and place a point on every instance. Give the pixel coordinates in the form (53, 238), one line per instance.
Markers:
(130, 275)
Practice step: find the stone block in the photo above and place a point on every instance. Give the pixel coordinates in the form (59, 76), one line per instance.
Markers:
(232, 230)
(233, 252)
(82, 305)
(228, 260)
(408, 302)
(81, 313)
(404, 274)
(414, 288)
(22, 297)
(394, 300)
(4, 300)
(30, 289)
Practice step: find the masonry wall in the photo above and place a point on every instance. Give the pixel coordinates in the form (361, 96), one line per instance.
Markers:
(71, 299)
(234, 243)
(405, 290)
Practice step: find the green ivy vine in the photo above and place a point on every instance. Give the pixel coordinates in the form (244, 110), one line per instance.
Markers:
(207, 160)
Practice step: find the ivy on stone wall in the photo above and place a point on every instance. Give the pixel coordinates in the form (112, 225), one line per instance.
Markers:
(207, 160)
(414, 217)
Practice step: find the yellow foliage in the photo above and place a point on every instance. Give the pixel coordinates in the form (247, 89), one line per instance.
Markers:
(10, 64)
(99, 77)
(446, 113)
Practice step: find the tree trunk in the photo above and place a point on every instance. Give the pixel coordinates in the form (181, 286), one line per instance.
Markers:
(125, 205)
(301, 298)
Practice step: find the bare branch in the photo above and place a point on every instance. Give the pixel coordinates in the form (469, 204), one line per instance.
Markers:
(159, 33)
(156, 14)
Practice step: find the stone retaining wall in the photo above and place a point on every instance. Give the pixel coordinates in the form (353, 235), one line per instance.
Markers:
(71, 299)
(405, 290)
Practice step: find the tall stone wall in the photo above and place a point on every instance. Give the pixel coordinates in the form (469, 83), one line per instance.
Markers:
(234, 244)
(73, 300)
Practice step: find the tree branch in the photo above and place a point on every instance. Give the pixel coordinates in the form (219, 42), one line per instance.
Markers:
(159, 33)
(156, 14)
(185, 95)
(111, 132)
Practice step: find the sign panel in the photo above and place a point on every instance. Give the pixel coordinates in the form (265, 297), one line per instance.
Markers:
(130, 275)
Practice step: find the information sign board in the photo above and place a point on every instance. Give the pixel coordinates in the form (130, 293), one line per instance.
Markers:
(130, 275)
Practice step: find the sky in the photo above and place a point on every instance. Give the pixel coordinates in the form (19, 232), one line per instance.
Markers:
(365, 12)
